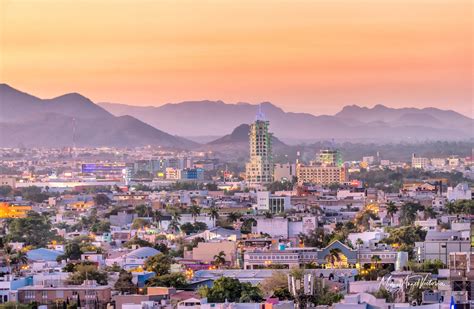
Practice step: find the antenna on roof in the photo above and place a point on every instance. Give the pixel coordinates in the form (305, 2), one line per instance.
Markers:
(260, 115)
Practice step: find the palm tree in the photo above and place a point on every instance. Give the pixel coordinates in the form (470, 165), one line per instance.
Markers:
(219, 259)
(20, 259)
(450, 208)
(376, 260)
(214, 214)
(430, 212)
(174, 225)
(233, 216)
(359, 242)
(334, 256)
(391, 210)
(8, 253)
(195, 211)
(158, 217)
(176, 215)
(268, 215)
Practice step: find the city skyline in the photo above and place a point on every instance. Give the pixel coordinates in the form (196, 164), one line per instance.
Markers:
(313, 56)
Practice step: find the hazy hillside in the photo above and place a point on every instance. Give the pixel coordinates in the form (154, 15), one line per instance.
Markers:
(236, 144)
(353, 123)
(30, 121)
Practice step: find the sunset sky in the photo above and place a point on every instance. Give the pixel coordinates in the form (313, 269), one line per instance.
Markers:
(308, 56)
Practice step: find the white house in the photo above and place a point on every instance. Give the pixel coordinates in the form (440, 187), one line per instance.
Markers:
(460, 192)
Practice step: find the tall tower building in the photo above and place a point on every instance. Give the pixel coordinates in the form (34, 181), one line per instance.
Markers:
(330, 157)
(259, 170)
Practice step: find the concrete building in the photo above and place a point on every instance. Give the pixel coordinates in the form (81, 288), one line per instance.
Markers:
(205, 251)
(89, 294)
(295, 257)
(191, 174)
(330, 157)
(318, 174)
(460, 192)
(284, 172)
(8, 181)
(259, 170)
(267, 202)
(438, 163)
(438, 245)
(283, 227)
(419, 162)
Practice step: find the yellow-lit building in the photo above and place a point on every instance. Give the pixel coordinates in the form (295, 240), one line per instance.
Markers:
(13, 211)
(81, 205)
(318, 174)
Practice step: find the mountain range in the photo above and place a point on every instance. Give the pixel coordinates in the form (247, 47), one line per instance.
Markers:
(352, 123)
(236, 144)
(72, 119)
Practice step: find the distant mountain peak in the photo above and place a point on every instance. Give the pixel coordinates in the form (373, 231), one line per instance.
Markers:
(380, 107)
(33, 121)
(73, 96)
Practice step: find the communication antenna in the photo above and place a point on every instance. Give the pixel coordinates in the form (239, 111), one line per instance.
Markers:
(260, 115)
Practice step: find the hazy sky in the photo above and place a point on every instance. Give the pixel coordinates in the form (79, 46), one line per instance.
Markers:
(312, 56)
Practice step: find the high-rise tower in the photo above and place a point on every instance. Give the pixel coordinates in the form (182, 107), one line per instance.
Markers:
(259, 170)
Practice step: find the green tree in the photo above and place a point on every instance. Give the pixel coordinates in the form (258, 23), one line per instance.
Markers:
(34, 230)
(460, 207)
(391, 209)
(231, 290)
(158, 217)
(137, 241)
(276, 284)
(408, 212)
(140, 223)
(214, 214)
(187, 228)
(195, 211)
(404, 238)
(316, 238)
(5, 190)
(233, 217)
(87, 272)
(219, 259)
(376, 260)
(159, 264)
(124, 283)
(199, 226)
(384, 294)
(101, 227)
(34, 194)
(174, 226)
(334, 256)
(143, 210)
(101, 199)
(246, 227)
(175, 280)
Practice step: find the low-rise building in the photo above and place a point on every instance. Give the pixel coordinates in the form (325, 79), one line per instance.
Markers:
(89, 294)
(319, 174)
(267, 202)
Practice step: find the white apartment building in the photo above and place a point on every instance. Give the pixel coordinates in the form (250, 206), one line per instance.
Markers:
(419, 162)
(267, 202)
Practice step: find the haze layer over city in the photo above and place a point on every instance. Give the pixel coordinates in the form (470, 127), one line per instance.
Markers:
(236, 154)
